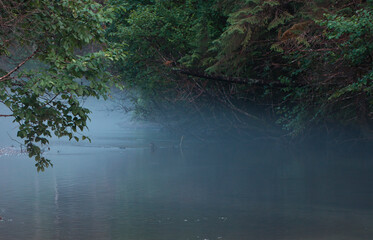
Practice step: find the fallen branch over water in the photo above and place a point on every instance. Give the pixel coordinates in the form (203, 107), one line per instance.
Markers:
(220, 78)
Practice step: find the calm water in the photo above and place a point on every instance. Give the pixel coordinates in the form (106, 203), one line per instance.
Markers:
(118, 188)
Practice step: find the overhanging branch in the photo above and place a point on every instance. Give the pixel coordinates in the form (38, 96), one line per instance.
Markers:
(220, 78)
(4, 78)
(248, 81)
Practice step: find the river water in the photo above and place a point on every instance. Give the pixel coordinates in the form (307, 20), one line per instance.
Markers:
(120, 187)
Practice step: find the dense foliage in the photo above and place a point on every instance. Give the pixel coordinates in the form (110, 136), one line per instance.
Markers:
(43, 100)
(248, 64)
(206, 65)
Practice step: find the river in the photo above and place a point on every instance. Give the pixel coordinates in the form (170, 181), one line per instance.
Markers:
(134, 182)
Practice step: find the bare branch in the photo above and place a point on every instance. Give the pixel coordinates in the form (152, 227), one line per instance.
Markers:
(4, 78)
(219, 78)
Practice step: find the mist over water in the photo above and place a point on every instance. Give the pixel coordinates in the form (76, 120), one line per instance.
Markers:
(135, 182)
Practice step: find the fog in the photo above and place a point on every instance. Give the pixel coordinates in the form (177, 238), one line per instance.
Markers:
(136, 181)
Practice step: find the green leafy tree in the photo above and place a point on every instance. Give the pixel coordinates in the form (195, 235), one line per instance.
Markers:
(54, 35)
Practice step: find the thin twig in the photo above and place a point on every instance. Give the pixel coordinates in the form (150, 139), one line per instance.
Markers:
(3, 78)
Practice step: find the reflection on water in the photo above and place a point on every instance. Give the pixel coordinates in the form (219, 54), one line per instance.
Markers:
(118, 188)
(204, 193)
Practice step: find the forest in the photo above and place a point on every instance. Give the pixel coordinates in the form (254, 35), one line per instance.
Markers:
(249, 65)
(205, 67)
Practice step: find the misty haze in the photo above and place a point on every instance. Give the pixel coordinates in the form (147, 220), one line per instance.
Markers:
(186, 120)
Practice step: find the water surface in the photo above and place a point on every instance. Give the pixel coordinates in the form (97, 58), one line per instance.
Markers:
(118, 187)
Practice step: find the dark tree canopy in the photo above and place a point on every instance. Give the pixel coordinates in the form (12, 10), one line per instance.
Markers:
(294, 63)
(234, 64)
